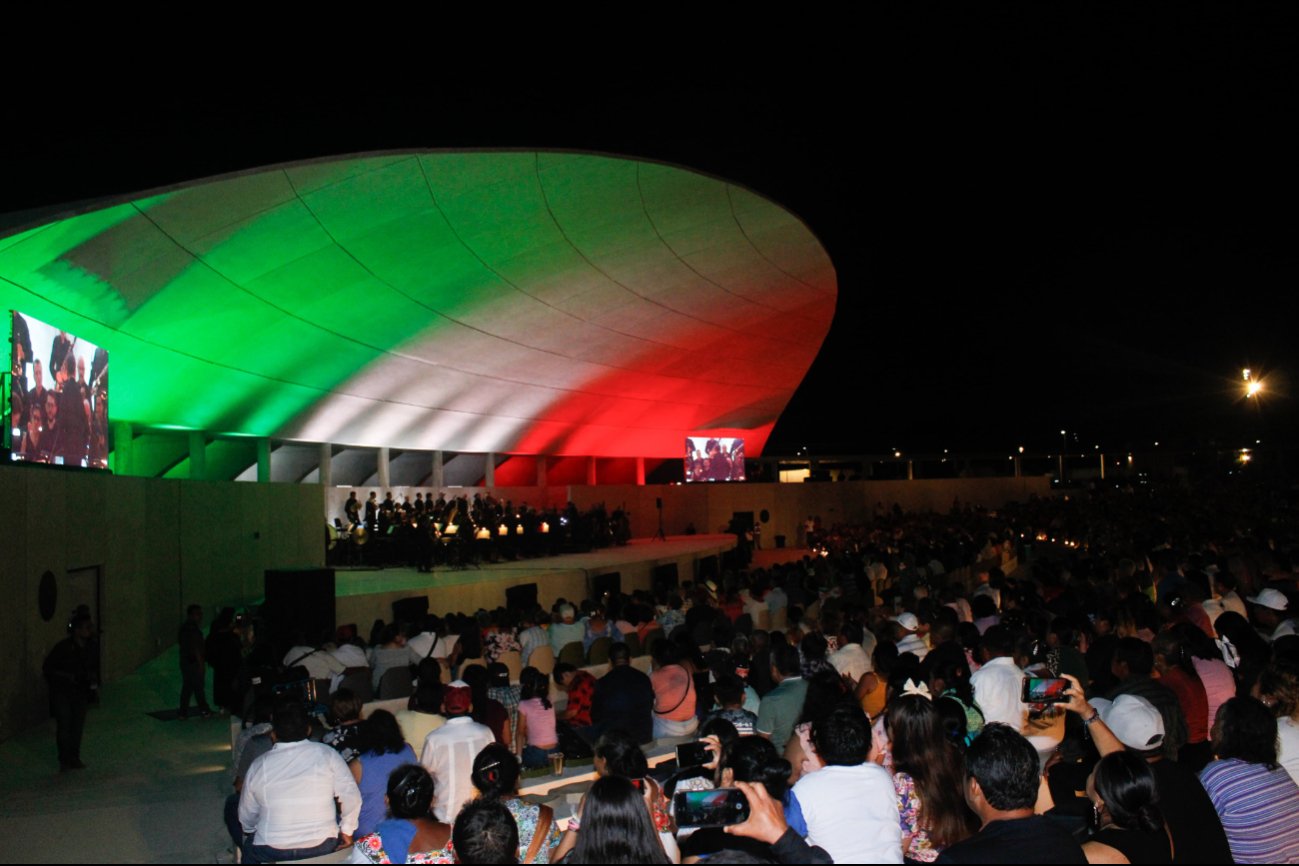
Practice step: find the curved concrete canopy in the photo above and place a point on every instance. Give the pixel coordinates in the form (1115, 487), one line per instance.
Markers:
(516, 302)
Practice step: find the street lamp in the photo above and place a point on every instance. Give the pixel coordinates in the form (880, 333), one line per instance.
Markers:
(1063, 445)
(1252, 385)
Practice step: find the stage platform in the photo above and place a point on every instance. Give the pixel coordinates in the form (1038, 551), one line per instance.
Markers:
(363, 595)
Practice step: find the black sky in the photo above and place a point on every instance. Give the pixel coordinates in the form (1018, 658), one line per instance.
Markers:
(1036, 224)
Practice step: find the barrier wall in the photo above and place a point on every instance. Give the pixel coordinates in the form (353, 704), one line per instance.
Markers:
(148, 547)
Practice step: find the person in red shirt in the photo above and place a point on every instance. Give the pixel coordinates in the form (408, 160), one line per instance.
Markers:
(1176, 670)
(580, 688)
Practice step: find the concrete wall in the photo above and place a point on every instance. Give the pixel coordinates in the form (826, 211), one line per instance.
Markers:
(158, 545)
(710, 506)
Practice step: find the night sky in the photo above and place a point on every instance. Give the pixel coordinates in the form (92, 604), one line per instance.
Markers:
(1033, 229)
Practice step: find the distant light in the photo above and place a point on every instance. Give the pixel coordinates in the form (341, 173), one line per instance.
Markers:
(1061, 432)
(897, 453)
(1021, 449)
(1252, 389)
(1258, 441)
(1245, 374)
(1156, 444)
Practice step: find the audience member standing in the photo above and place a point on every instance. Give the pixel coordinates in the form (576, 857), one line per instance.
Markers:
(193, 663)
(70, 672)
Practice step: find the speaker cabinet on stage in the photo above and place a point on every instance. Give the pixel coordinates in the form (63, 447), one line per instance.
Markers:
(410, 610)
(299, 599)
(521, 598)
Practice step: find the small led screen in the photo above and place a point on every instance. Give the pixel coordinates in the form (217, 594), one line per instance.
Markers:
(58, 397)
(714, 458)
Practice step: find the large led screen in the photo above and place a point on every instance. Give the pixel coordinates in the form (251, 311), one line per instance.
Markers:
(58, 396)
(714, 458)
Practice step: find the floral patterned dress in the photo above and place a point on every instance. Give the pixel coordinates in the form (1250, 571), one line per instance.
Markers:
(371, 848)
(920, 848)
(526, 816)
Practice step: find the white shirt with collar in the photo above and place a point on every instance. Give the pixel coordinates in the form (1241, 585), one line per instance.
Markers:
(288, 796)
(998, 687)
(448, 755)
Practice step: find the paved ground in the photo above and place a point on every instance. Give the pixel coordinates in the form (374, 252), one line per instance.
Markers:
(152, 791)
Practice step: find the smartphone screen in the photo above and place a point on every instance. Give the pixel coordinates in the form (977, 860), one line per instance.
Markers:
(1045, 690)
(719, 807)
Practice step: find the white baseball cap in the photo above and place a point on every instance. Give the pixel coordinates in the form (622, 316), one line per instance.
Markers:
(1134, 720)
(908, 621)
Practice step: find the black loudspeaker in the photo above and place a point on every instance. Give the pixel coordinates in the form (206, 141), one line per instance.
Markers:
(300, 599)
(410, 610)
(666, 577)
(610, 583)
(521, 598)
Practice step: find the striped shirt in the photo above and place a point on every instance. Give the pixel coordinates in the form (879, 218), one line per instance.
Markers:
(1258, 807)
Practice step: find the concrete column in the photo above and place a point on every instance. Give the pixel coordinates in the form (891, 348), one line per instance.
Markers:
(640, 471)
(911, 470)
(1019, 469)
(123, 445)
(263, 461)
(385, 477)
(1102, 467)
(590, 472)
(489, 469)
(541, 470)
(326, 464)
(197, 455)
(439, 474)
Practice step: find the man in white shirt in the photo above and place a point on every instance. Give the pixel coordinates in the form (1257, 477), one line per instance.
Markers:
(287, 806)
(849, 806)
(449, 752)
(532, 633)
(999, 684)
(429, 644)
(852, 658)
(912, 641)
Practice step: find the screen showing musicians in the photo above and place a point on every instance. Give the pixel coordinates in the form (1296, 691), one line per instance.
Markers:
(714, 458)
(58, 397)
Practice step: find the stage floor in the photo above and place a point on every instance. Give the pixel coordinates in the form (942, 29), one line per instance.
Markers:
(365, 594)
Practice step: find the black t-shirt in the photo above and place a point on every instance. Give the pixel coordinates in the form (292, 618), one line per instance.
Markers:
(1026, 840)
(1194, 824)
(1137, 845)
(624, 698)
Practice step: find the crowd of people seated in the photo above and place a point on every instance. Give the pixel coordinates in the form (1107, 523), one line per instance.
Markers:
(867, 701)
(461, 530)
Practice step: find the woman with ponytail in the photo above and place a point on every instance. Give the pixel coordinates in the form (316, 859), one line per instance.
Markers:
(411, 834)
(496, 776)
(1130, 827)
(537, 734)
